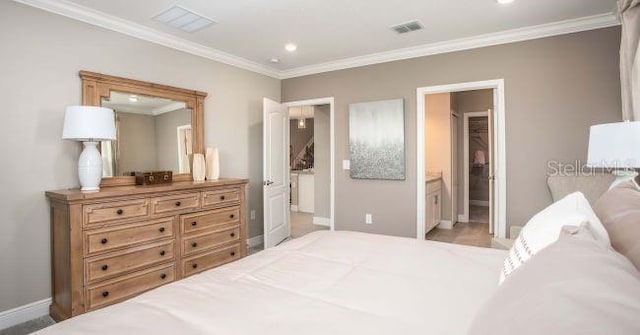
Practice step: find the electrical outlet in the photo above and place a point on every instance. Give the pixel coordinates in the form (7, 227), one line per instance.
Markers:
(368, 218)
(253, 214)
(346, 164)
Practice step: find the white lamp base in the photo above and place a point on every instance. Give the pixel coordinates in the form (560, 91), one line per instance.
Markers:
(90, 167)
(623, 176)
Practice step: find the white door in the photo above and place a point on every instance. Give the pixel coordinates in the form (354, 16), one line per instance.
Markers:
(492, 173)
(275, 171)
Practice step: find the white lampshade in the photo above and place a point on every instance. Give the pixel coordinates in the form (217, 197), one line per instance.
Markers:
(89, 123)
(615, 145)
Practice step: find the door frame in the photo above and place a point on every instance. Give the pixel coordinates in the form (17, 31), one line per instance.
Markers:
(500, 212)
(464, 217)
(332, 147)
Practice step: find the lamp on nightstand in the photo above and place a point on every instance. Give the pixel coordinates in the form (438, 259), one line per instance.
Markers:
(616, 146)
(89, 125)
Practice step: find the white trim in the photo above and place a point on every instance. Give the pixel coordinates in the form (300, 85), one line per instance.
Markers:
(467, 43)
(445, 224)
(497, 85)
(465, 177)
(320, 221)
(24, 313)
(117, 24)
(482, 203)
(255, 241)
(462, 218)
(332, 147)
(294, 208)
(114, 23)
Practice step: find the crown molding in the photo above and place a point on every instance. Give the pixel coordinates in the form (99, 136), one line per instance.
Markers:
(114, 23)
(479, 41)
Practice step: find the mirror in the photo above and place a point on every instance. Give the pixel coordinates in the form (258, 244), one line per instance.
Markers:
(153, 134)
(160, 127)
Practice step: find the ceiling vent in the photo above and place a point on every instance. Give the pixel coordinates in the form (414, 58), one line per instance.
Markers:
(183, 19)
(407, 27)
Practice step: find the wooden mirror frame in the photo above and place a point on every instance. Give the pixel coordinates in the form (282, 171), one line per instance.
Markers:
(96, 86)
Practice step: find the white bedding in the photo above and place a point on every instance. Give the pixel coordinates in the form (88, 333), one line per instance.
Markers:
(322, 283)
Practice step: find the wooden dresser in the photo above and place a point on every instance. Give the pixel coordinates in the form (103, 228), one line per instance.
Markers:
(111, 245)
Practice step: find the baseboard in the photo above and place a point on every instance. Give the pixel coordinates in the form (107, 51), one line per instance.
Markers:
(320, 221)
(255, 241)
(514, 231)
(445, 224)
(462, 218)
(482, 203)
(24, 313)
(293, 208)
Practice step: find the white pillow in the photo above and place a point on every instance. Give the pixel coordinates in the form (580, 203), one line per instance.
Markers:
(544, 228)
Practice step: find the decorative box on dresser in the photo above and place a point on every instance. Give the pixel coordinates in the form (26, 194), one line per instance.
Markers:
(111, 245)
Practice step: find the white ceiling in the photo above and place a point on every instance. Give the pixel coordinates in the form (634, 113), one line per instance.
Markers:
(250, 32)
(144, 105)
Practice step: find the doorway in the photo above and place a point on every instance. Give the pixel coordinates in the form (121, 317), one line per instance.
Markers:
(455, 208)
(299, 147)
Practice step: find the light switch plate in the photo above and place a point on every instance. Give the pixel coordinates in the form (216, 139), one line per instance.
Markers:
(346, 164)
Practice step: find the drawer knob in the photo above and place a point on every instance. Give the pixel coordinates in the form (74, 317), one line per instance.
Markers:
(178, 203)
(194, 244)
(222, 197)
(105, 267)
(162, 253)
(119, 212)
(104, 241)
(163, 276)
(105, 294)
(233, 253)
(161, 229)
(232, 216)
(195, 265)
(193, 224)
(232, 234)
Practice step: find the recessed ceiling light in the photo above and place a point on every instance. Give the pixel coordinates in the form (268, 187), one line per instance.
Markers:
(504, 2)
(133, 98)
(274, 60)
(291, 47)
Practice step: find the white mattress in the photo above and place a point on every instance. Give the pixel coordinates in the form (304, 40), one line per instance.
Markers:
(322, 283)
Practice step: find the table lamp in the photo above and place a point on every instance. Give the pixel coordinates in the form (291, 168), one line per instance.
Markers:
(89, 125)
(616, 146)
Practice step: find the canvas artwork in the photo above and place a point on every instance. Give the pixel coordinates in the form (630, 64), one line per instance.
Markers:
(376, 140)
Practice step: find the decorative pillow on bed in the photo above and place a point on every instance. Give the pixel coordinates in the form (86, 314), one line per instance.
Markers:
(544, 229)
(575, 286)
(619, 210)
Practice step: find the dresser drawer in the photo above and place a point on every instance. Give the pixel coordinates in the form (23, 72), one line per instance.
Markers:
(211, 220)
(210, 260)
(175, 203)
(113, 264)
(220, 197)
(129, 286)
(127, 235)
(111, 211)
(203, 242)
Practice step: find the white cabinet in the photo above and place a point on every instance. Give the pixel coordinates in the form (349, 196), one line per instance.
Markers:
(306, 199)
(434, 204)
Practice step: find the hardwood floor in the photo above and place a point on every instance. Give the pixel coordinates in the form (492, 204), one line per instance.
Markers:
(475, 233)
(302, 224)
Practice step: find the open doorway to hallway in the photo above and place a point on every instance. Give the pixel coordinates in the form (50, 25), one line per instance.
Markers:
(309, 163)
(459, 168)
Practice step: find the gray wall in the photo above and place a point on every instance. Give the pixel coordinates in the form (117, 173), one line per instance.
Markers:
(322, 161)
(40, 59)
(137, 137)
(555, 89)
(167, 138)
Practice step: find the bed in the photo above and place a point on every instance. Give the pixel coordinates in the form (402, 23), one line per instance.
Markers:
(322, 283)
